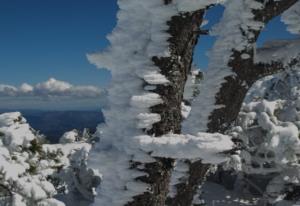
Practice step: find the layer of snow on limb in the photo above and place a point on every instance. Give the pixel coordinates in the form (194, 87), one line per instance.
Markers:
(147, 120)
(291, 18)
(238, 14)
(131, 65)
(155, 78)
(284, 51)
(205, 146)
(146, 100)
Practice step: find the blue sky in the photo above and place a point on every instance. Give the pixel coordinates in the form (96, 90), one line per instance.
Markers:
(50, 38)
(274, 30)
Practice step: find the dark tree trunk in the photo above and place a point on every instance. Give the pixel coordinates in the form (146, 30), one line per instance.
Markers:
(186, 191)
(184, 31)
(232, 94)
(234, 90)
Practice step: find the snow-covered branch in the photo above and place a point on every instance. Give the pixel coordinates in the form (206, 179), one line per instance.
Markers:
(205, 146)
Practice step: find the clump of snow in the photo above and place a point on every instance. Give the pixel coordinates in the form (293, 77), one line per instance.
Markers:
(146, 120)
(155, 78)
(146, 100)
(15, 131)
(69, 137)
(185, 110)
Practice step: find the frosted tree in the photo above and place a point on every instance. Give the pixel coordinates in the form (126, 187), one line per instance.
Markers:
(144, 141)
(234, 67)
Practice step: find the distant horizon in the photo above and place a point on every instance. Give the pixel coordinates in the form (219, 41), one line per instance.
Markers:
(38, 47)
(3, 110)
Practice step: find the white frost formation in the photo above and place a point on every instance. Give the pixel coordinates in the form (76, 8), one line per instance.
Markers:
(131, 65)
(237, 18)
(208, 147)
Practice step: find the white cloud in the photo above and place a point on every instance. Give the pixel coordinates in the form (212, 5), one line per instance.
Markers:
(50, 89)
(7, 90)
(26, 88)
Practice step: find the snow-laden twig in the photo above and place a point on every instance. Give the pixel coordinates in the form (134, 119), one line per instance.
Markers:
(205, 146)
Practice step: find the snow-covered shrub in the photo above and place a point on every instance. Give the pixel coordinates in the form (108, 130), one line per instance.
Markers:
(21, 171)
(32, 173)
(268, 128)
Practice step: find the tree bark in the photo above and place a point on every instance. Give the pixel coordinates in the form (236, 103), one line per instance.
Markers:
(184, 31)
(231, 95)
(246, 72)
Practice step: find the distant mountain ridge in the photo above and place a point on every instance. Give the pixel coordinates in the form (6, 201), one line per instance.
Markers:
(55, 123)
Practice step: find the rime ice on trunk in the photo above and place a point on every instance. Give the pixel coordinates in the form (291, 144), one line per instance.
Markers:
(159, 61)
(184, 31)
(233, 87)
